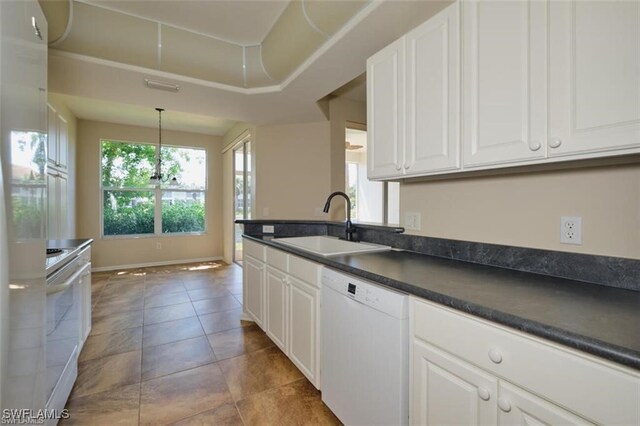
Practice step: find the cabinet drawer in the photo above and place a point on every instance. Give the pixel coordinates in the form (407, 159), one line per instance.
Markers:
(305, 270)
(253, 249)
(594, 388)
(277, 259)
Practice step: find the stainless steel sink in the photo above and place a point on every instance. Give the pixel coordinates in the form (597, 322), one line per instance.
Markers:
(329, 246)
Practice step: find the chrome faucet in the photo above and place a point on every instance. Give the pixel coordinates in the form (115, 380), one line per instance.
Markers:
(349, 227)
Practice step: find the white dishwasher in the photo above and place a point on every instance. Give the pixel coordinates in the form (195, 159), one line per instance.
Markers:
(365, 351)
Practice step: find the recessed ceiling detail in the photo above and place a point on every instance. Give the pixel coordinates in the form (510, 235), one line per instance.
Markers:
(145, 34)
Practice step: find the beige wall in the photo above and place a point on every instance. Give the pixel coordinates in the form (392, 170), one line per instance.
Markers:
(293, 170)
(72, 126)
(114, 252)
(525, 209)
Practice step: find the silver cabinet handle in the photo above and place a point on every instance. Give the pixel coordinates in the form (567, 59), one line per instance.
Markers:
(555, 142)
(484, 394)
(406, 166)
(534, 145)
(398, 167)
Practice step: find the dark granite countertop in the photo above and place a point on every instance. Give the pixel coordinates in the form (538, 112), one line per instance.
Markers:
(603, 321)
(74, 247)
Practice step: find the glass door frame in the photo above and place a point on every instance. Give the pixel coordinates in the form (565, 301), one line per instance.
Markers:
(244, 145)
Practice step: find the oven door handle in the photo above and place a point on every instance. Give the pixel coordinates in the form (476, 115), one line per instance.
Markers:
(61, 287)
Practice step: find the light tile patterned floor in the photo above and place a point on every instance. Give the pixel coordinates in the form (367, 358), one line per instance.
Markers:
(167, 346)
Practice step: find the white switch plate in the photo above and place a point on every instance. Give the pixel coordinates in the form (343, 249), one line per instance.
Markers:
(571, 230)
(265, 211)
(412, 221)
(268, 229)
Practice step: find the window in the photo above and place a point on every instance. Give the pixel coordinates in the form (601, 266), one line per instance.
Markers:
(131, 206)
(375, 202)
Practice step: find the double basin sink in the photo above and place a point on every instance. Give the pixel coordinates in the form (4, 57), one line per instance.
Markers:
(330, 246)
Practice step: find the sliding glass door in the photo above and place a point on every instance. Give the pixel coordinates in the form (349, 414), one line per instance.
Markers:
(242, 193)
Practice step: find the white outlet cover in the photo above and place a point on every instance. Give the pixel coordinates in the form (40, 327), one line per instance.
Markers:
(571, 230)
(268, 229)
(412, 221)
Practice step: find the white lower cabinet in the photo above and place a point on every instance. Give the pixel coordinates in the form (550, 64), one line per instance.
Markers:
(465, 370)
(282, 295)
(85, 299)
(448, 391)
(519, 407)
(254, 289)
(304, 330)
(277, 307)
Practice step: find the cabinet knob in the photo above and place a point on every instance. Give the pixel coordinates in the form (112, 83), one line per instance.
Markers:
(504, 405)
(555, 142)
(484, 394)
(495, 356)
(534, 145)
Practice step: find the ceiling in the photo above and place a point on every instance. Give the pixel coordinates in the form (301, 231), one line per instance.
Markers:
(243, 22)
(100, 87)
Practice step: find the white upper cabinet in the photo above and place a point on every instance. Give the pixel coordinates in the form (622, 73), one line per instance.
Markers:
(595, 77)
(504, 81)
(385, 111)
(413, 101)
(507, 83)
(433, 94)
(57, 140)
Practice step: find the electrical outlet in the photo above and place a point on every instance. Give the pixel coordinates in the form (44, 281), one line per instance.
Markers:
(265, 211)
(571, 230)
(412, 221)
(159, 246)
(268, 229)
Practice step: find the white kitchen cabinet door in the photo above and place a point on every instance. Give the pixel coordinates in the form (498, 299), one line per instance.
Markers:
(254, 289)
(85, 308)
(520, 408)
(63, 143)
(448, 391)
(594, 77)
(504, 81)
(52, 135)
(57, 139)
(304, 329)
(433, 94)
(385, 112)
(277, 306)
(57, 205)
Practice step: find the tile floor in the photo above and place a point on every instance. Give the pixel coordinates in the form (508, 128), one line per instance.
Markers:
(167, 346)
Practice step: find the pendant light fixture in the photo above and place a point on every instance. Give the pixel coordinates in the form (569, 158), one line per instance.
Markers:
(157, 178)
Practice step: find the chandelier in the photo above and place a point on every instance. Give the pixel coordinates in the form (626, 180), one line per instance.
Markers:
(157, 177)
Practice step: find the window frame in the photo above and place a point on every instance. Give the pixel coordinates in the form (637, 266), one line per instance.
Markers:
(157, 189)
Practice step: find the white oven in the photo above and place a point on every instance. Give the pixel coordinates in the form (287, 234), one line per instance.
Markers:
(64, 301)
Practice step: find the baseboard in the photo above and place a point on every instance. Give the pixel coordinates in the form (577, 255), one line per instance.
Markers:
(149, 264)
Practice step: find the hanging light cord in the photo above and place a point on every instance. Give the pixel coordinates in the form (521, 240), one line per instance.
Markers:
(159, 167)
